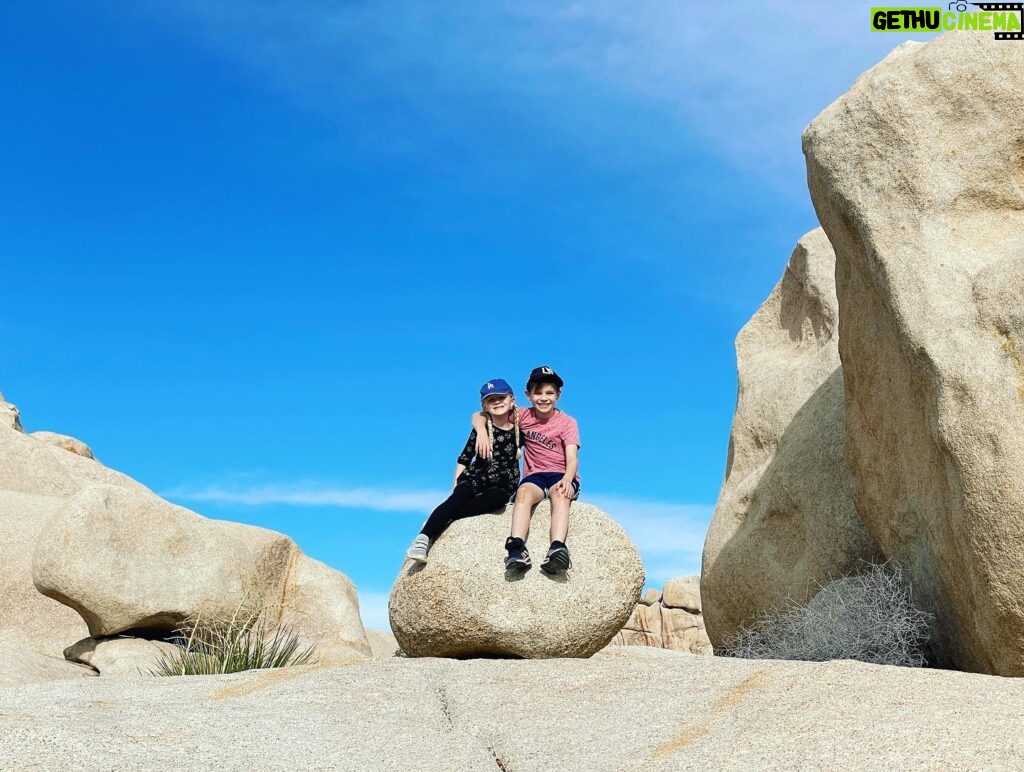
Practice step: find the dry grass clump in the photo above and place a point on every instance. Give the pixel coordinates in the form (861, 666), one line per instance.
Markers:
(245, 642)
(869, 617)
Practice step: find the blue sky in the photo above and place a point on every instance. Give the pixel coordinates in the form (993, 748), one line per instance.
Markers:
(260, 256)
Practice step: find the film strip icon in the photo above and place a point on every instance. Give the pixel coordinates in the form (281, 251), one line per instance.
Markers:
(1019, 7)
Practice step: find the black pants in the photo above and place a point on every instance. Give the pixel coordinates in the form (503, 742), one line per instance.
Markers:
(464, 502)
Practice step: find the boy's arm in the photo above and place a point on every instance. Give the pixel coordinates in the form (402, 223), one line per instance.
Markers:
(483, 440)
(572, 465)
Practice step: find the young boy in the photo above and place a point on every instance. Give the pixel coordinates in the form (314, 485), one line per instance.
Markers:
(552, 440)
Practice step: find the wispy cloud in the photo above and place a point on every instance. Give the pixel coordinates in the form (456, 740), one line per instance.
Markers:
(747, 76)
(313, 495)
(669, 535)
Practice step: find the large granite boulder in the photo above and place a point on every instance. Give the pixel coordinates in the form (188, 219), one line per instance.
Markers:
(36, 480)
(463, 603)
(916, 176)
(109, 548)
(785, 522)
(125, 559)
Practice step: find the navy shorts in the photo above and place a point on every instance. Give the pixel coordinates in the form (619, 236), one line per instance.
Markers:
(547, 480)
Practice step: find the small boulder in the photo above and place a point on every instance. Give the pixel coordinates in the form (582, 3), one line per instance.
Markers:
(650, 597)
(69, 444)
(120, 657)
(683, 592)
(463, 603)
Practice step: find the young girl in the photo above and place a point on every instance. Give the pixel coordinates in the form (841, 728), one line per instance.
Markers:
(481, 485)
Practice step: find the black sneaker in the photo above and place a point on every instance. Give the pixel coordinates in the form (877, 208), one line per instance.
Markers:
(518, 557)
(557, 559)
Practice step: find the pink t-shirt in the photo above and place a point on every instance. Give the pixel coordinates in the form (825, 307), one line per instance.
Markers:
(546, 440)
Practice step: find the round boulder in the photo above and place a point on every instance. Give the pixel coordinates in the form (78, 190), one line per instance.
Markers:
(463, 603)
(120, 656)
(69, 444)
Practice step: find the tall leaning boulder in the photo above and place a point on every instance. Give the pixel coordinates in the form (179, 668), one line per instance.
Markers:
(463, 603)
(917, 175)
(785, 522)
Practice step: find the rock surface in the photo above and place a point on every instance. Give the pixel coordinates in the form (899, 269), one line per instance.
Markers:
(626, 709)
(650, 597)
(463, 603)
(120, 657)
(19, 667)
(126, 559)
(785, 522)
(69, 444)
(668, 620)
(9, 416)
(683, 592)
(36, 479)
(917, 179)
(383, 643)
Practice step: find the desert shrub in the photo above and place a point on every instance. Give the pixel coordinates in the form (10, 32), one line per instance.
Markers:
(868, 617)
(245, 642)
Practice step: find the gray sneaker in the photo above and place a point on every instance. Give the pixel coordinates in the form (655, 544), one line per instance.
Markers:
(419, 548)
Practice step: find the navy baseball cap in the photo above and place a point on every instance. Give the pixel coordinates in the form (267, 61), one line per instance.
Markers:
(496, 386)
(544, 374)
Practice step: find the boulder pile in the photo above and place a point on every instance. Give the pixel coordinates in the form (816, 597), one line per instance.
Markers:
(668, 619)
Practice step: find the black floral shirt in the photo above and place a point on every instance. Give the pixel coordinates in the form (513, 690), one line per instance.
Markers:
(500, 471)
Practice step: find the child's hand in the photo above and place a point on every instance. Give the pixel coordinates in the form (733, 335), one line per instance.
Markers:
(564, 486)
(483, 445)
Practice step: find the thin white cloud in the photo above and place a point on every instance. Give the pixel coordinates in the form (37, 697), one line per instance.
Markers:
(313, 495)
(669, 535)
